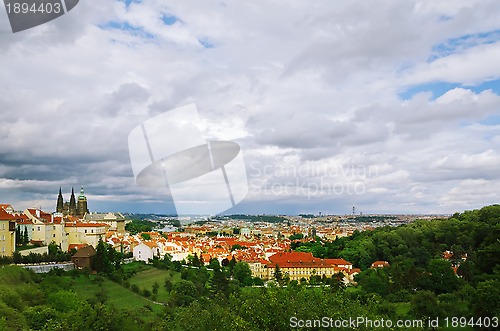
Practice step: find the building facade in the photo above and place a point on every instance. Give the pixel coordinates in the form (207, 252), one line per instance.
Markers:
(7, 233)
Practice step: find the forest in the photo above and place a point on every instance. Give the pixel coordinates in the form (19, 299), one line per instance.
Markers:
(421, 283)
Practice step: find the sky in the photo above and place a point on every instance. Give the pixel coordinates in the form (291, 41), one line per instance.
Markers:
(391, 106)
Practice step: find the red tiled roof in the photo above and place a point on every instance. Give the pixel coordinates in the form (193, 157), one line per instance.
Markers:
(84, 224)
(76, 246)
(303, 259)
(380, 264)
(5, 216)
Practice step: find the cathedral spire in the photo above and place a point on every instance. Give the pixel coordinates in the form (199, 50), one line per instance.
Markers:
(72, 203)
(60, 202)
(81, 205)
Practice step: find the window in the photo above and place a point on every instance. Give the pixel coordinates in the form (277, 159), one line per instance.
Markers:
(85, 231)
(54, 235)
(38, 228)
(3, 237)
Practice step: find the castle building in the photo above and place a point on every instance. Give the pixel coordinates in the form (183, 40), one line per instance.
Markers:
(73, 208)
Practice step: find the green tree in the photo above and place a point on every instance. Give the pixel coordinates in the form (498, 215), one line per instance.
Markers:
(137, 226)
(53, 248)
(196, 262)
(156, 286)
(374, 281)
(336, 282)
(440, 277)
(168, 285)
(486, 301)
(184, 292)
(219, 283)
(25, 239)
(18, 237)
(278, 275)
(214, 264)
(296, 236)
(38, 317)
(424, 305)
(101, 261)
(241, 271)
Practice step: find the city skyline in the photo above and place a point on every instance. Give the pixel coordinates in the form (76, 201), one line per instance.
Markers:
(393, 108)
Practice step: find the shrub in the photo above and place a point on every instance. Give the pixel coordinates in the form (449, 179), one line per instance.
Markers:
(134, 288)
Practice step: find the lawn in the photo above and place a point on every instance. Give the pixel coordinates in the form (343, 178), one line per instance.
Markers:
(145, 280)
(118, 296)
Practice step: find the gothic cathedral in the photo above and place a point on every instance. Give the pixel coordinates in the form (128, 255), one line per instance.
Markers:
(73, 207)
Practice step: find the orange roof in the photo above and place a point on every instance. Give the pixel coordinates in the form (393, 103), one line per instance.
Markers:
(380, 264)
(447, 255)
(44, 217)
(24, 221)
(303, 259)
(76, 246)
(151, 244)
(85, 224)
(338, 261)
(5, 216)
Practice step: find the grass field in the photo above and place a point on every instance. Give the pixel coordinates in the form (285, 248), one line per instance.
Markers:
(145, 280)
(118, 296)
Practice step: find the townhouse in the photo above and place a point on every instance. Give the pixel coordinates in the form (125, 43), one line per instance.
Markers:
(7, 233)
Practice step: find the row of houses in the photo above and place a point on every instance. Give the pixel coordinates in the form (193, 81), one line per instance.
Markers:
(41, 228)
(301, 265)
(263, 256)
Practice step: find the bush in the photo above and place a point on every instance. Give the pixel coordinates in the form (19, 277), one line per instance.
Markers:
(135, 288)
(38, 317)
(156, 286)
(146, 293)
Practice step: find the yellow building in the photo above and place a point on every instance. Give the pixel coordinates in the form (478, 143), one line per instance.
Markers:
(44, 229)
(85, 232)
(116, 221)
(7, 233)
(299, 265)
(259, 268)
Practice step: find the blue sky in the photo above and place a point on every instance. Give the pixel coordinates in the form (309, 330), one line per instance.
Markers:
(395, 109)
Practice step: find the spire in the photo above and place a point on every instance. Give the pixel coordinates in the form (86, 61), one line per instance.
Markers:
(81, 205)
(60, 202)
(72, 203)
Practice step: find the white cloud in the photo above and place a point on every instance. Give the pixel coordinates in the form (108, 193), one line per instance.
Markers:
(302, 85)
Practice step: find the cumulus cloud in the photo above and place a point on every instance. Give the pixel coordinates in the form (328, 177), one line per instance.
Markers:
(312, 88)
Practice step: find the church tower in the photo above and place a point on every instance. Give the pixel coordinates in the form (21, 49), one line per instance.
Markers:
(72, 203)
(60, 202)
(81, 208)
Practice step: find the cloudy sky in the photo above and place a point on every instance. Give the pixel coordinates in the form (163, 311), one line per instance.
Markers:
(393, 106)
